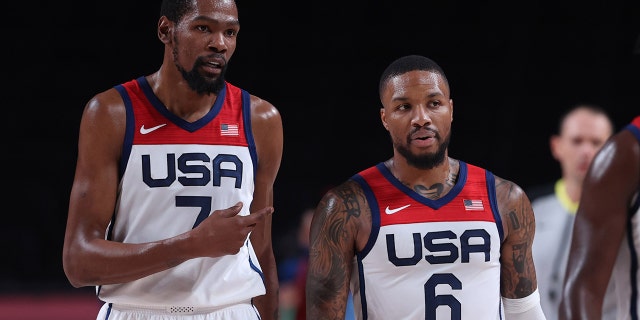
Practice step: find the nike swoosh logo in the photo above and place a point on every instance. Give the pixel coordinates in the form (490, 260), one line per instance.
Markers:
(144, 130)
(392, 211)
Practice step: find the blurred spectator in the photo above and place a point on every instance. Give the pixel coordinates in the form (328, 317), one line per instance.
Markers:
(582, 131)
(292, 272)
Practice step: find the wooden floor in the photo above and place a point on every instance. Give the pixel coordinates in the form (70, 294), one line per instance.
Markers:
(49, 306)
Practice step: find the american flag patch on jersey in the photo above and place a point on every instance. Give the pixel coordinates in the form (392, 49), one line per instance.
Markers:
(472, 205)
(228, 129)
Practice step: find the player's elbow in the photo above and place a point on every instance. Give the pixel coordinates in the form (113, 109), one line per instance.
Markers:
(73, 269)
(73, 282)
(70, 270)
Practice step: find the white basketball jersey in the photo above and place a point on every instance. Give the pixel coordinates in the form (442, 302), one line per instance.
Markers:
(429, 259)
(174, 174)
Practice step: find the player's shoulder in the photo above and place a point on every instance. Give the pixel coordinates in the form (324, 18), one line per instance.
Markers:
(625, 140)
(106, 103)
(346, 204)
(260, 108)
(504, 188)
(347, 195)
(263, 107)
(263, 111)
(266, 123)
(510, 197)
(265, 117)
(345, 190)
(619, 158)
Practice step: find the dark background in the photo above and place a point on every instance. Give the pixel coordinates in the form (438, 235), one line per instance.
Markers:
(513, 68)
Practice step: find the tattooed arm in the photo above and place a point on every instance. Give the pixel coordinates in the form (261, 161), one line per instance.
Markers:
(335, 230)
(518, 274)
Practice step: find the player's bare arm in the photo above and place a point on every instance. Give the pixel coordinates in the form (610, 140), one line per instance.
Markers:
(608, 188)
(336, 233)
(518, 277)
(267, 131)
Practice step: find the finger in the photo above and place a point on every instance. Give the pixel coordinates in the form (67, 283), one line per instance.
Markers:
(258, 216)
(229, 212)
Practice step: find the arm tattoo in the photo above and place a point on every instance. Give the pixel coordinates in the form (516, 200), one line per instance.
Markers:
(350, 202)
(524, 286)
(518, 257)
(518, 271)
(513, 219)
(331, 253)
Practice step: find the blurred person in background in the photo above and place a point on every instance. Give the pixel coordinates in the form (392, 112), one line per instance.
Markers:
(290, 268)
(582, 131)
(293, 273)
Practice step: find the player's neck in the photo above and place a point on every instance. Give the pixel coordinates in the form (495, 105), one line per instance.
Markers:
(176, 95)
(432, 183)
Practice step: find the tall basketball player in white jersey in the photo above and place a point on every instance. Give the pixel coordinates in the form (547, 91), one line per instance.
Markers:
(170, 210)
(606, 234)
(422, 235)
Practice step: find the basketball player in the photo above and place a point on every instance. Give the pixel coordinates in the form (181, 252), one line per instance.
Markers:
(422, 235)
(606, 232)
(170, 209)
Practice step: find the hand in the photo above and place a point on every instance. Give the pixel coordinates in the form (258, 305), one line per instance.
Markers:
(224, 231)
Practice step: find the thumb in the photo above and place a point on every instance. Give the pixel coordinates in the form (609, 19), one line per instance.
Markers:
(229, 212)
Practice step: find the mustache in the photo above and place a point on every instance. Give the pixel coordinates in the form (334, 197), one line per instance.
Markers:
(214, 55)
(426, 128)
(202, 60)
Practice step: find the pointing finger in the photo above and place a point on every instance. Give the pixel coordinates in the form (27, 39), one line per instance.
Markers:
(258, 216)
(231, 211)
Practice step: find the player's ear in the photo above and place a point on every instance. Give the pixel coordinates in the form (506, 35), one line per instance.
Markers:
(164, 29)
(383, 117)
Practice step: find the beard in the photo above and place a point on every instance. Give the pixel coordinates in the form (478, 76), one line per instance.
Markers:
(424, 161)
(198, 82)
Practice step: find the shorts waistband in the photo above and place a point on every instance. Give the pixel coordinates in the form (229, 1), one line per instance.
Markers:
(182, 309)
